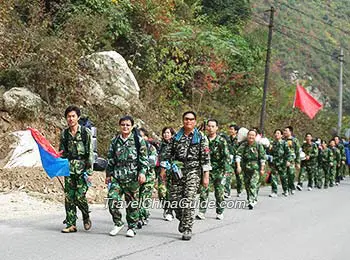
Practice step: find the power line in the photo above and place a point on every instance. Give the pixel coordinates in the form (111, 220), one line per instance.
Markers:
(315, 18)
(332, 11)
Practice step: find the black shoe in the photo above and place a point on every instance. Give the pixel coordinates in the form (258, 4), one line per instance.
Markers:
(187, 235)
(250, 206)
(181, 227)
(139, 224)
(87, 224)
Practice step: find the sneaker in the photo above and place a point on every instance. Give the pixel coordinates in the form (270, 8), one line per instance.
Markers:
(309, 188)
(139, 224)
(187, 235)
(251, 206)
(87, 224)
(169, 217)
(145, 222)
(239, 195)
(299, 187)
(200, 216)
(285, 194)
(115, 230)
(292, 192)
(226, 196)
(220, 216)
(70, 229)
(337, 184)
(130, 232)
(181, 227)
(273, 195)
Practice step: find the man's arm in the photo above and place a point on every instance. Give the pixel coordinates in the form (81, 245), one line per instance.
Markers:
(110, 159)
(90, 159)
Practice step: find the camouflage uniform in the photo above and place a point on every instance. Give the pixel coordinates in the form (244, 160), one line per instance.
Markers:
(326, 159)
(251, 158)
(341, 167)
(193, 152)
(146, 189)
(336, 163)
(280, 156)
(309, 166)
(80, 158)
(233, 146)
(124, 166)
(164, 188)
(294, 149)
(220, 162)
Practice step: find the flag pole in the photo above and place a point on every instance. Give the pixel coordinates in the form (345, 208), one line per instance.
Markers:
(60, 182)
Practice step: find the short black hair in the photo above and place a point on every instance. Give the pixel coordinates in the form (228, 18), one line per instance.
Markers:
(143, 130)
(126, 118)
(189, 112)
(213, 120)
(308, 134)
(290, 129)
(278, 130)
(253, 130)
(172, 131)
(70, 109)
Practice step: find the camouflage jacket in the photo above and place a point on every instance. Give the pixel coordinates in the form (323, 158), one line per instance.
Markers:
(341, 148)
(280, 152)
(294, 148)
(326, 157)
(310, 150)
(192, 150)
(336, 156)
(123, 162)
(152, 160)
(251, 157)
(232, 147)
(219, 155)
(80, 155)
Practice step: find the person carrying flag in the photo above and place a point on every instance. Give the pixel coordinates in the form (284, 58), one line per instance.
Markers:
(76, 146)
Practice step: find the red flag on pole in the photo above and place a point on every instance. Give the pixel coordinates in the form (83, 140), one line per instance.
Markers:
(306, 103)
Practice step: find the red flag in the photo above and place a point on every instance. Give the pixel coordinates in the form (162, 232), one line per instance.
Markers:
(306, 103)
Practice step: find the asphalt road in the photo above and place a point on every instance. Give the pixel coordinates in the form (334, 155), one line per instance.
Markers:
(309, 225)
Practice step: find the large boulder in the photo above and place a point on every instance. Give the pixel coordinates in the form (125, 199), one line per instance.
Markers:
(22, 102)
(106, 78)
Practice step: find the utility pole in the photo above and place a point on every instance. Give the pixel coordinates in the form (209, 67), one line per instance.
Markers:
(340, 106)
(267, 70)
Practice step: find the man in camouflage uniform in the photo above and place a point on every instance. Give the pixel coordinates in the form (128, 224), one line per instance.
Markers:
(336, 162)
(220, 163)
(188, 155)
(309, 165)
(146, 189)
(76, 146)
(280, 157)
(126, 171)
(294, 149)
(251, 155)
(340, 173)
(325, 164)
(233, 146)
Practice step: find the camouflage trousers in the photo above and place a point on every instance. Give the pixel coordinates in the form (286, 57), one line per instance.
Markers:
(164, 193)
(291, 177)
(216, 179)
(332, 173)
(279, 171)
(183, 195)
(252, 184)
(340, 172)
(324, 172)
(239, 182)
(145, 196)
(130, 190)
(75, 189)
(310, 170)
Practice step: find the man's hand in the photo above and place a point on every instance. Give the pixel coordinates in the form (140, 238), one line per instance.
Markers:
(227, 174)
(343, 162)
(297, 166)
(262, 171)
(107, 180)
(163, 175)
(141, 178)
(288, 164)
(307, 157)
(205, 179)
(239, 169)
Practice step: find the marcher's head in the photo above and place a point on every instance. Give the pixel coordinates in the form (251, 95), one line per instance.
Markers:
(167, 133)
(144, 133)
(233, 129)
(332, 143)
(336, 139)
(278, 134)
(126, 123)
(212, 126)
(308, 137)
(72, 115)
(189, 120)
(251, 136)
(323, 144)
(288, 131)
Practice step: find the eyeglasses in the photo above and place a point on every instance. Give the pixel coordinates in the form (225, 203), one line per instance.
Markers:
(189, 119)
(125, 125)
